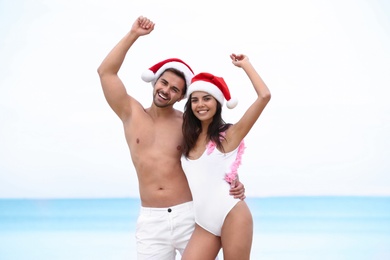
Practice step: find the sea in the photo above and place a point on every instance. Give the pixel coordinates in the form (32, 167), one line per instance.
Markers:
(285, 228)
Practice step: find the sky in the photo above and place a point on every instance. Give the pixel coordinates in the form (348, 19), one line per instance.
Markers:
(325, 132)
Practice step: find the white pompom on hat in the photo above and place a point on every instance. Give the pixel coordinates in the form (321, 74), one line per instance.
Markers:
(154, 72)
(215, 86)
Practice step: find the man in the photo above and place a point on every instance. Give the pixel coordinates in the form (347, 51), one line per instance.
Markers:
(154, 136)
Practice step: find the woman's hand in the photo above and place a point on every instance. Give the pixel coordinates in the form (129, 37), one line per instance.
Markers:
(239, 59)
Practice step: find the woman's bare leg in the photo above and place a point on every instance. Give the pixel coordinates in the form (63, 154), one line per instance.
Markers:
(202, 245)
(237, 233)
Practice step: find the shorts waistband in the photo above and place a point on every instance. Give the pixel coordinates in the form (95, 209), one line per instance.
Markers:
(177, 208)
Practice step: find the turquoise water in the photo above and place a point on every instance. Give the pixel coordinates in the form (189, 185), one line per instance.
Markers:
(285, 228)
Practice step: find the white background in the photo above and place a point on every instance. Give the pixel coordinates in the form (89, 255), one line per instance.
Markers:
(326, 130)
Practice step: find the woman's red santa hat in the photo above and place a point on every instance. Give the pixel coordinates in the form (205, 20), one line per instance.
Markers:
(154, 72)
(215, 86)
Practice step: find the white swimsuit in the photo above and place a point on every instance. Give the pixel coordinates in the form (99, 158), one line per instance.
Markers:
(208, 179)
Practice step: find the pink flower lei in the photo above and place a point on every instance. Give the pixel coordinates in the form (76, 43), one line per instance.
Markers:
(232, 175)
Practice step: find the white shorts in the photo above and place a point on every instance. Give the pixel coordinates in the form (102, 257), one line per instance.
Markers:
(162, 231)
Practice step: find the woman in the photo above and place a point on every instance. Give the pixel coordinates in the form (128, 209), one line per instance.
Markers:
(211, 155)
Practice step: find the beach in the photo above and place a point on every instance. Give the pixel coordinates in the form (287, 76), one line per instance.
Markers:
(285, 228)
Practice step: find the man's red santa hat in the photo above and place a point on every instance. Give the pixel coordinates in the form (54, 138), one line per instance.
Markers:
(154, 72)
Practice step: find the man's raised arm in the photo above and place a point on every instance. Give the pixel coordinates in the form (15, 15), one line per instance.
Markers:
(113, 88)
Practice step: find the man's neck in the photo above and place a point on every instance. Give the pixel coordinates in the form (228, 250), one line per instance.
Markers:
(155, 111)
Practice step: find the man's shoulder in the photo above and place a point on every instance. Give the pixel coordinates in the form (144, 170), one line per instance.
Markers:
(178, 112)
(179, 115)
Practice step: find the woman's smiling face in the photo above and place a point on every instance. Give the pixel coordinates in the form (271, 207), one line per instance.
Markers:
(203, 105)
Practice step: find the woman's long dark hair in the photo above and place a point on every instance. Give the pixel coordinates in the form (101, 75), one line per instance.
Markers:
(192, 127)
